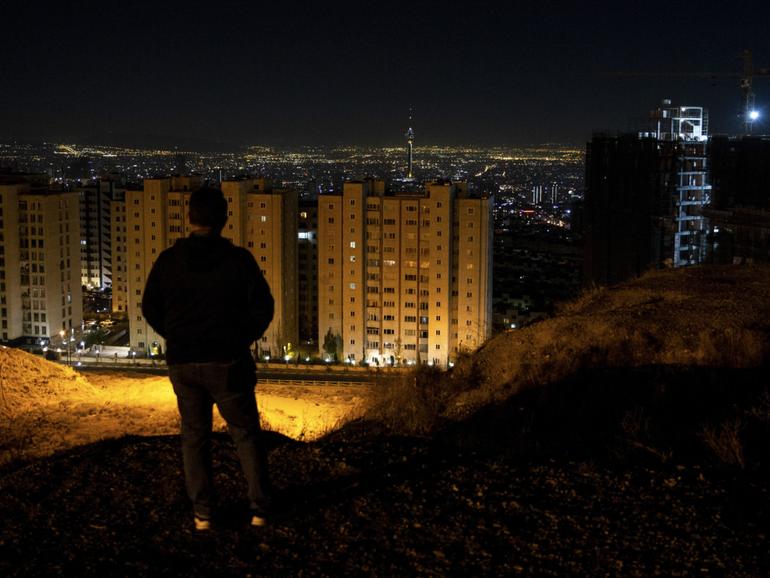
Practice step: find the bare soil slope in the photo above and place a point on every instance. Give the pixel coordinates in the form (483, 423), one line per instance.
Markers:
(47, 407)
(626, 437)
(701, 316)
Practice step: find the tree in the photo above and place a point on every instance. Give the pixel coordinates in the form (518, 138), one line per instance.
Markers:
(397, 350)
(332, 345)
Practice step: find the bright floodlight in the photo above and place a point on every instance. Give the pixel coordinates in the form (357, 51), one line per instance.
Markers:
(754, 115)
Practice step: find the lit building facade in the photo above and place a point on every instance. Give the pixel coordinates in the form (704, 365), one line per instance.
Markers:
(404, 278)
(260, 218)
(119, 253)
(307, 256)
(270, 233)
(40, 291)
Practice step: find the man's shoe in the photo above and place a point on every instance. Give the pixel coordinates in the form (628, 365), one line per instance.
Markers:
(258, 519)
(202, 524)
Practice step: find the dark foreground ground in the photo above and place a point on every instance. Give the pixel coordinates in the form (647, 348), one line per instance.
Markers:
(532, 487)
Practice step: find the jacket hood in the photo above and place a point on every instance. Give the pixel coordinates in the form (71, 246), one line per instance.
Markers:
(203, 252)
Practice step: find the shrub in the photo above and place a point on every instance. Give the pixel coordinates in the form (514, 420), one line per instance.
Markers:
(413, 403)
(725, 442)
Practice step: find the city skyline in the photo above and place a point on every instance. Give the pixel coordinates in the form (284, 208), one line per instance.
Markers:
(164, 75)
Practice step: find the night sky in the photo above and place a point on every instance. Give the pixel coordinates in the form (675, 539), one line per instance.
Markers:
(289, 73)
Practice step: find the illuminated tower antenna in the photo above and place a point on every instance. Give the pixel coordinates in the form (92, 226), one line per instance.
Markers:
(409, 144)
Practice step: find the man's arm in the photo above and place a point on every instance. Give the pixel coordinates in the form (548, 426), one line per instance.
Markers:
(152, 300)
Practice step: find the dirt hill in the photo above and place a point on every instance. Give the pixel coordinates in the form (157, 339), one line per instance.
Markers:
(29, 383)
(705, 316)
(627, 436)
(47, 407)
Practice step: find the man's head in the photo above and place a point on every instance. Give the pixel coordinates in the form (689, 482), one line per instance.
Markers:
(208, 209)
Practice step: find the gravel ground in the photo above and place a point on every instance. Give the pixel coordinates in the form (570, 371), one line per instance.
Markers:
(362, 502)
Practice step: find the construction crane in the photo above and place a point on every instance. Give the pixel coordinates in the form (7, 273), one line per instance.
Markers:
(749, 114)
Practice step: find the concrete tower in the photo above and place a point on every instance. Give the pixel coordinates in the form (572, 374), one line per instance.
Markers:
(409, 144)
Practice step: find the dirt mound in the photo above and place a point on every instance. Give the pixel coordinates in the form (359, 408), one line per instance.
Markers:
(46, 407)
(702, 316)
(29, 382)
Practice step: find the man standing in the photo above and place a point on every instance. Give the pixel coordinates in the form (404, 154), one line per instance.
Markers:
(210, 302)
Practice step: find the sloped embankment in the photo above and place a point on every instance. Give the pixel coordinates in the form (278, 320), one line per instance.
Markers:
(510, 485)
(699, 317)
(29, 383)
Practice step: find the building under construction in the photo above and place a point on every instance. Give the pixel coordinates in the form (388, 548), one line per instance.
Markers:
(740, 211)
(645, 193)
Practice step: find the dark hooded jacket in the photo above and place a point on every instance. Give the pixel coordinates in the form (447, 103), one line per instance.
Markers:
(208, 299)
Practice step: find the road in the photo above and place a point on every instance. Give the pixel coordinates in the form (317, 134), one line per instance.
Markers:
(266, 373)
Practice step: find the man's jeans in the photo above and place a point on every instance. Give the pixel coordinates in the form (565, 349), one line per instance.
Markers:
(231, 386)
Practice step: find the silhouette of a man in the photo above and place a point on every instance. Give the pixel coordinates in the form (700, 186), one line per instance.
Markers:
(210, 302)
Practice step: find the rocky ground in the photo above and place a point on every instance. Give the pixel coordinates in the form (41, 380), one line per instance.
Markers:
(362, 501)
(628, 436)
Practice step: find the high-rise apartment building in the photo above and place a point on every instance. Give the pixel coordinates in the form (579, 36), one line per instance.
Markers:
(270, 233)
(119, 254)
(155, 218)
(260, 218)
(307, 256)
(404, 277)
(40, 291)
(645, 195)
(739, 214)
(96, 231)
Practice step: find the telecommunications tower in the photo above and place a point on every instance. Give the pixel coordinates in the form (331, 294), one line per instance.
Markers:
(409, 145)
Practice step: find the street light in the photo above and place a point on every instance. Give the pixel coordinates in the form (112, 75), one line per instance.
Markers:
(754, 115)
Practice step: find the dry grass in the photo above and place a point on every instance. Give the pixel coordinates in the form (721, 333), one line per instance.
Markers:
(412, 404)
(705, 317)
(725, 442)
